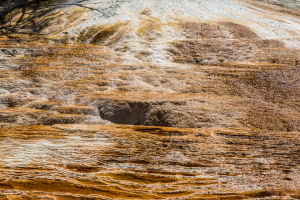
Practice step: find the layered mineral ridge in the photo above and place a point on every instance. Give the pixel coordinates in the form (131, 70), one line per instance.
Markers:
(156, 99)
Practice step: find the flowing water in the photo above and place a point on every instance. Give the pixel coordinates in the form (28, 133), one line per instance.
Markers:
(150, 100)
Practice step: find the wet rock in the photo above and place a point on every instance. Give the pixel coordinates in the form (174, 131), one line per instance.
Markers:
(22, 116)
(14, 85)
(63, 119)
(45, 105)
(175, 116)
(15, 99)
(77, 109)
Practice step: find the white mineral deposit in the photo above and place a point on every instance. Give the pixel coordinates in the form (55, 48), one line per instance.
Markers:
(156, 99)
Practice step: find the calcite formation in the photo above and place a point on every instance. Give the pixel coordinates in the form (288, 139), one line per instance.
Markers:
(161, 99)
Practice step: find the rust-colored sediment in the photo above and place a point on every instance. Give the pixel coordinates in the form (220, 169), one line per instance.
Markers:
(219, 120)
(137, 162)
(246, 143)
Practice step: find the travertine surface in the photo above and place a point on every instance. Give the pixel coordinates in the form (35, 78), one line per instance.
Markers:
(147, 103)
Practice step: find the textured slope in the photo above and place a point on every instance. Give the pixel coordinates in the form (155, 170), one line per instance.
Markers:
(150, 100)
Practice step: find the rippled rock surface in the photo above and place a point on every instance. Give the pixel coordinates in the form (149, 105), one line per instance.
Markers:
(150, 100)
